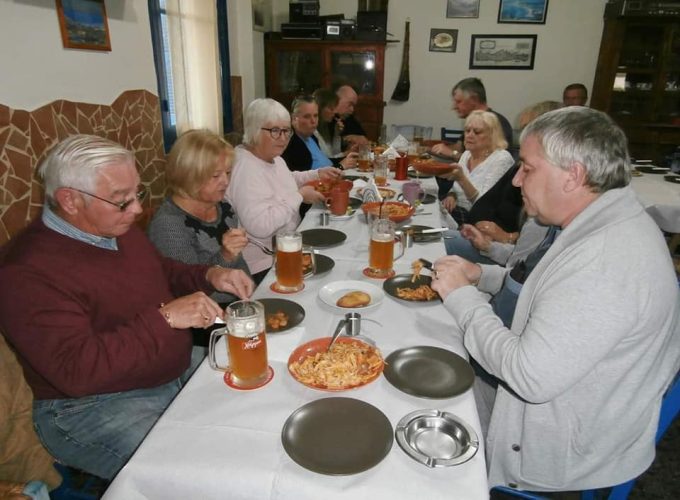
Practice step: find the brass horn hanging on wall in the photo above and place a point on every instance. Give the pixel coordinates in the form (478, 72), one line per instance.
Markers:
(401, 91)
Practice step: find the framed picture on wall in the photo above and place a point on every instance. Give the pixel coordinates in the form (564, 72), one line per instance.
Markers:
(502, 51)
(83, 24)
(443, 40)
(522, 11)
(462, 8)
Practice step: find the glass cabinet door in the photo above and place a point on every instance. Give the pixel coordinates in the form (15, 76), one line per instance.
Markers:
(636, 79)
(358, 68)
(300, 71)
(670, 104)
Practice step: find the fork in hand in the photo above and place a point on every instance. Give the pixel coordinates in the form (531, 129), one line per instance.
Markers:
(261, 246)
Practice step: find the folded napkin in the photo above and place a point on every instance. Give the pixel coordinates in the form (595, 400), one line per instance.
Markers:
(399, 142)
(390, 153)
(370, 192)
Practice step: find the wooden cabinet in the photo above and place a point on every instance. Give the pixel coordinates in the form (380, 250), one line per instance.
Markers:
(295, 67)
(637, 82)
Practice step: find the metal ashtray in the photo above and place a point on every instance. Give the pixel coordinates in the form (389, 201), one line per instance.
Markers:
(436, 438)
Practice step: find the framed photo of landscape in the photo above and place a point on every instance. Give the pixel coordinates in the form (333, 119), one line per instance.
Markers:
(83, 24)
(522, 11)
(502, 51)
(462, 8)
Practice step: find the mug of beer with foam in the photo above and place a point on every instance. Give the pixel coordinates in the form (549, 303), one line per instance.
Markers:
(381, 249)
(288, 262)
(246, 345)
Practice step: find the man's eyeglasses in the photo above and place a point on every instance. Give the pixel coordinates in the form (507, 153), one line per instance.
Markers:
(276, 132)
(122, 205)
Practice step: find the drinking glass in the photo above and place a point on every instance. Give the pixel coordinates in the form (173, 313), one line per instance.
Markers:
(380, 170)
(288, 261)
(246, 345)
(381, 248)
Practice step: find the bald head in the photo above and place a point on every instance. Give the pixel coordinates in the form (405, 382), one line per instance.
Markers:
(347, 100)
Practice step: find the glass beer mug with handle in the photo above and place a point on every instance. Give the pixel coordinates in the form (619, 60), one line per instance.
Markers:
(288, 262)
(246, 345)
(381, 248)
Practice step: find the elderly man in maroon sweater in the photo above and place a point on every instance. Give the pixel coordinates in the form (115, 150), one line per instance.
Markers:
(98, 318)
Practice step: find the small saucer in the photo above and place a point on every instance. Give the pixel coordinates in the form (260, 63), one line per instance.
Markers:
(230, 381)
(274, 287)
(377, 274)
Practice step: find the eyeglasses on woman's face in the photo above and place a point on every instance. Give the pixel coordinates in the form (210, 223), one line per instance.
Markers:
(122, 205)
(276, 132)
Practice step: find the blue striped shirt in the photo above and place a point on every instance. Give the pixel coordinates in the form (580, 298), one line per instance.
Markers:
(56, 223)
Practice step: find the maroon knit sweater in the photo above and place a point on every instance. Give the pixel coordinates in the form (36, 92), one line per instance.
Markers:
(85, 320)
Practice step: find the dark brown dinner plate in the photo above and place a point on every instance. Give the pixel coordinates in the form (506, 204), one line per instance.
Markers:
(322, 237)
(651, 169)
(404, 281)
(429, 198)
(428, 372)
(675, 179)
(337, 436)
(293, 310)
(418, 236)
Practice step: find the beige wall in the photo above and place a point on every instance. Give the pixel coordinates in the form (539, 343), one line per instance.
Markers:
(36, 69)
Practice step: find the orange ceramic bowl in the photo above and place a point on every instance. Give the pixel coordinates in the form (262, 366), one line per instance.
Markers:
(324, 187)
(431, 167)
(393, 210)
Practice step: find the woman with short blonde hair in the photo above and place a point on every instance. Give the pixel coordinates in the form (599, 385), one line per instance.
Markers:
(194, 224)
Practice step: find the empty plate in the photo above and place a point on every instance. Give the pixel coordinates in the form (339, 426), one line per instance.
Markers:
(428, 372)
(436, 438)
(322, 237)
(675, 179)
(337, 436)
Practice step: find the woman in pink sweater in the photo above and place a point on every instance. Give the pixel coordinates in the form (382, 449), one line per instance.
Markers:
(265, 194)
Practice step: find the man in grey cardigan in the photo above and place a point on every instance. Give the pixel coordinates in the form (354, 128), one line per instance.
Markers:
(595, 338)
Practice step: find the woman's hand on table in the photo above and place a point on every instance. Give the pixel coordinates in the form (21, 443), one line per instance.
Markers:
(234, 281)
(233, 242)
(479, 240)
(311, 195)
(329, 173)
(453, 272)
(349, 161)
(191, 311)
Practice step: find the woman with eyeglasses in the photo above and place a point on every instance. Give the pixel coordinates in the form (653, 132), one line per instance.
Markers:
(194, 224)
(264, 192)
(481, 165)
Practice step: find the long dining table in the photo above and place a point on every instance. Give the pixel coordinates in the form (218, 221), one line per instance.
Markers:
(660, 198)
(217, 442)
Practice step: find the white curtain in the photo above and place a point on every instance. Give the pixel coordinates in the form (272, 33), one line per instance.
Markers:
(194, 59)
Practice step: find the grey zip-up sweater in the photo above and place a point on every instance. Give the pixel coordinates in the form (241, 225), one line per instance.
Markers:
(594, 342)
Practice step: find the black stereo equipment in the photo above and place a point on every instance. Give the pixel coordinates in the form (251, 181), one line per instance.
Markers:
(343, 29)
(616, 8)
(306, 31)
(303, 11)
(371, 25)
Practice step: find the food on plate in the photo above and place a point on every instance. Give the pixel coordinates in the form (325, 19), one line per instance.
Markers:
(345, 365)
(421, 293)
(384, 192)
(355, 298)
(277, 320)
(393, 210)
(416, 266)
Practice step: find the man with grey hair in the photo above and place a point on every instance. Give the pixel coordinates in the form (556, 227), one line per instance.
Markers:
(595, 340)
(98, 318)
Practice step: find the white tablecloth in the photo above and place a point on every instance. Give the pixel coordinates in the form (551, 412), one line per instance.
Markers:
(661, 199)
(217, 442)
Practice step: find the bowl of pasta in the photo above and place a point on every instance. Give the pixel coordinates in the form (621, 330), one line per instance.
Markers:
(324, 187)
(431, 167)
(348, 364)
(392, 210)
